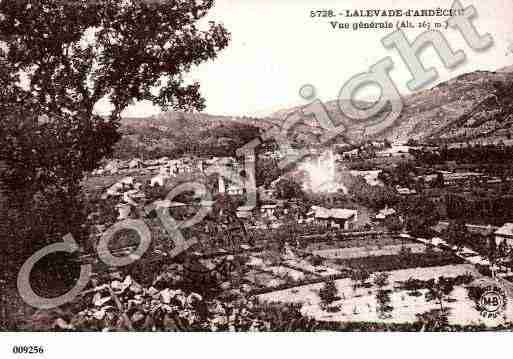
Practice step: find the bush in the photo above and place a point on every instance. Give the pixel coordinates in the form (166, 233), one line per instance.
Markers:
(484, 269)
(383, 300)
(328, 293)
(381, 279)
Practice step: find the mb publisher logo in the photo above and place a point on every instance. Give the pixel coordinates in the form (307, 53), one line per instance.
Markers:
(492, 302)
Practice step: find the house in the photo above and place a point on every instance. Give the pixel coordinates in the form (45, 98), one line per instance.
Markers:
(112, 167)
(235, 190)
(505, 234)
(158, 180)
(245, 212)
(405, 191)
(371, 177)
(135, 163)
(385, 212)
(334, 218)
(460, 178)
(265, 194)
(268, 210)
(351, 154)
(127, 181)
(124, 211)
(395, 151)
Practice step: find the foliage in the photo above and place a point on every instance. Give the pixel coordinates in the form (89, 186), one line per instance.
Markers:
(181, 134)
(381, 279)
(435, 320)
(71, 55)
(420, 215)
(395, 262)
(438, 290)
(457, 233)
(417, 284)
(474, 154)
(287, 189)
(376, 197)
(405, 251)
(328, 293)
(393, 223)
(126, 305)
(383, 301)
(360, 275)
(79, 52)
(316, 260)
(267, 171)
(401, 175)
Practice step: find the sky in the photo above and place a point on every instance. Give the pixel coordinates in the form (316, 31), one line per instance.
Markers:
(276, 48)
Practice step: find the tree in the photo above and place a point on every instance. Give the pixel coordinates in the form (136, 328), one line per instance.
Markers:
(381, 279)
(383, 301)
(287, 189)
(58, 61)
(393, 223)
(328, 293)
(438, 290)
(359, 276)
(403, 173)
(376, 197)
(457, 234)
(412, 142)
(438, 182)
(382, 295)
(405, 252)
(503, 249)
(421, 214)
(78, 52)
(267, 171)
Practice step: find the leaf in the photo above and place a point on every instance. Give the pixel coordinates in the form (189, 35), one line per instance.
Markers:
(98, 301)
(165, 296)
(136, 288)
(116, 285)
(128, 281)
(120, 287)
(99, 314)
(137, 317)
(152, 291)
(193, 298)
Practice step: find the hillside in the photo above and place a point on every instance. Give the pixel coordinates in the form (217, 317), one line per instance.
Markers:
(476, 105)
(473, 106)
(176, 133)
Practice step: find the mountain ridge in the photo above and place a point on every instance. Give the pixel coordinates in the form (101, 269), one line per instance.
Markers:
(472, 106)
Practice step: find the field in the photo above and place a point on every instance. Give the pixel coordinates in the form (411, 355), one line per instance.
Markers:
(359, 305)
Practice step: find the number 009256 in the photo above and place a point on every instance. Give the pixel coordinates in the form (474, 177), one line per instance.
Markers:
(28, 349)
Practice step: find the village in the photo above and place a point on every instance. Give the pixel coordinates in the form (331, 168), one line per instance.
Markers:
(342, 217)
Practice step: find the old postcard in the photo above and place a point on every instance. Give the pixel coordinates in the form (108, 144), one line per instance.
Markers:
(255, 166)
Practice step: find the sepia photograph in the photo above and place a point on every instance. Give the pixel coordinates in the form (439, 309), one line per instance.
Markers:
(254, 166)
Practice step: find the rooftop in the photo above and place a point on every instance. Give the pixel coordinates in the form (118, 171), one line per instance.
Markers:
(505, 230)
(338, 213)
